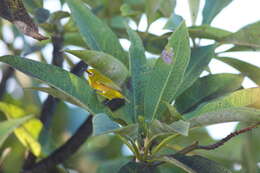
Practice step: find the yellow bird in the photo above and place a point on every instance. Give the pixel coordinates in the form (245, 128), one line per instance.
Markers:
(104, 86)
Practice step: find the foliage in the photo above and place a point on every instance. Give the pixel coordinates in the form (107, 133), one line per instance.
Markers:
(152, 107)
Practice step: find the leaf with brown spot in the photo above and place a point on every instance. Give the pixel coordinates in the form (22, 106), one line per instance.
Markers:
(15, 12)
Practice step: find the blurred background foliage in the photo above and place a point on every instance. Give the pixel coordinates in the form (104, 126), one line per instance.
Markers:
(241, 154)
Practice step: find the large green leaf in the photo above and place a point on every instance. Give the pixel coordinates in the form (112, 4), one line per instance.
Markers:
(173, 22)
(136, 83)
(167, 73)
(66, 82)
(169, 168)
(171, 114)
(96, 34)
(167, 7)
(194, 9)
(102, 124)
(242, 114)
(199, 60)
(8, 126)
(238, 48)
(212, 8)
(241, 98)
(181, 127)
(153, 7)
(113, 165)
(57, 93)
(207, 88)
(250, 153)
(247, 36)
(250, 70)
(195, 164)
(153, 43)
(135, 167)
(74, 38)
(33, 4)
(104, 63)
(206, 31)
(29, 132)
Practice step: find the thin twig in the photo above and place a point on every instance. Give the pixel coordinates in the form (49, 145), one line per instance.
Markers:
(65, 151)
(227, 138)
(196, 146)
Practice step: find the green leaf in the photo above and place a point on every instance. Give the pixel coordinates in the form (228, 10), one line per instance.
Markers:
(194, 9)
(42, 15)
(242, 114)
(58, 94)
(29, 132)
(165, 75)
(66, 82)
(104, 63)
(241, 98)
(102, 124)
(153, 7)
(195, 164)
(137, 67)
(33, 4)
(250, 70)
(208, 88)
(97, 35)
(173, 114)
(247, 36)
(241, 48)
(199, 60)
(177, 163)
(167, 7)
(134, 167)
(126, 10)
(173, 22)
(113, 165)
(206, 31)
(250, 154)
(212, 8)
(8, 126)
(153, 43)
(118, 22)
(169, 168)
(57, 16)
(181, 127)
(74, 38)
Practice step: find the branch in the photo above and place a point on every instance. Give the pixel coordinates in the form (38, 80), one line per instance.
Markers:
(196, 146)
(50, 104)
(49, 107)
(79, 68)
(7, 73)
(65, 151)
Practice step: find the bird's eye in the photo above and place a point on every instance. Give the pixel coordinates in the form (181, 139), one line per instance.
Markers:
(89, 73)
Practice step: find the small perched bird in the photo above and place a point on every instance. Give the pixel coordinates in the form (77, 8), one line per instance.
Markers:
(104, 86)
